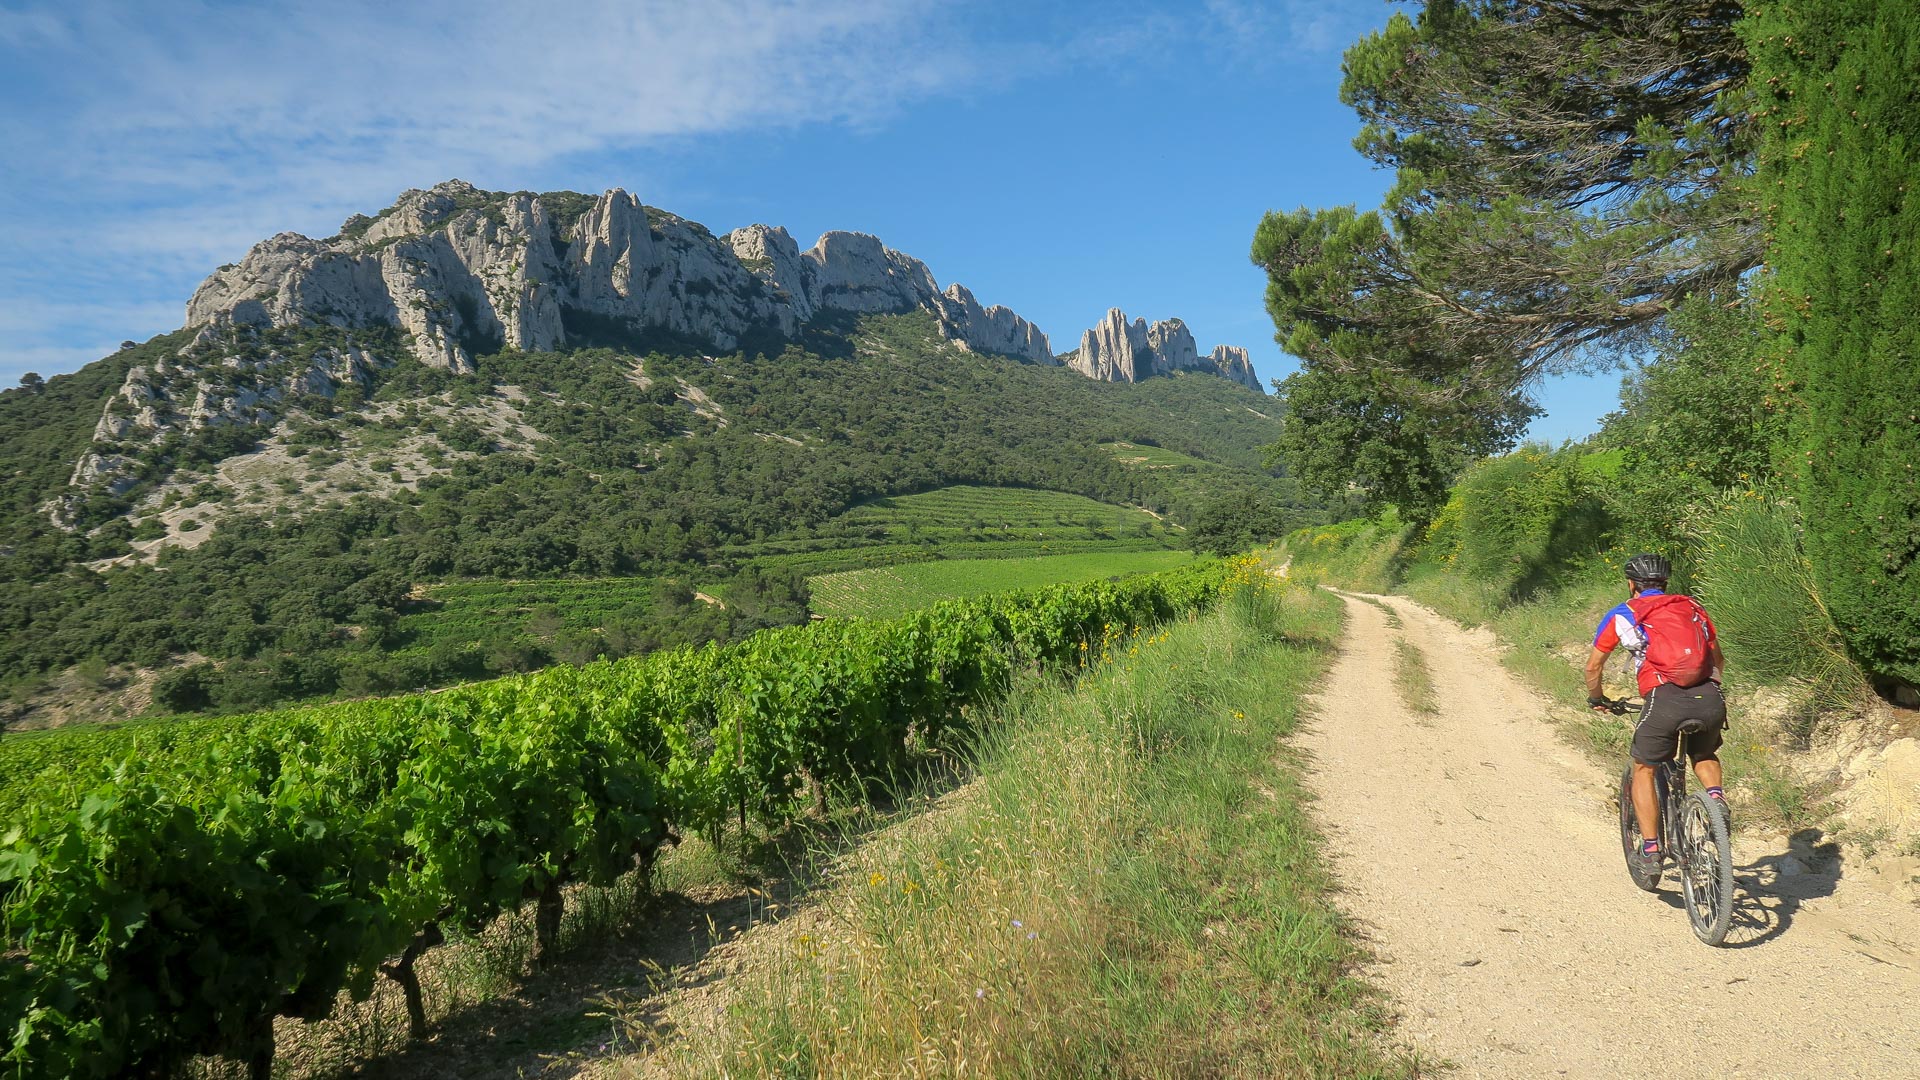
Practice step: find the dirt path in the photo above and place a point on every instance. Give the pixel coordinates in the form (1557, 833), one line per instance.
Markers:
(1482, 856)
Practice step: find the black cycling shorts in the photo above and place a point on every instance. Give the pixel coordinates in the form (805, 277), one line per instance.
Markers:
(1657, 736)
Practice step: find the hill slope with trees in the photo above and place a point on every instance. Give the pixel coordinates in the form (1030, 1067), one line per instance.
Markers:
(285, 559)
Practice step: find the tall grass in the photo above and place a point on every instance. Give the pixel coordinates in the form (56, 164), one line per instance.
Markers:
(1131, 888)
(1364, 554)
(1753, 576)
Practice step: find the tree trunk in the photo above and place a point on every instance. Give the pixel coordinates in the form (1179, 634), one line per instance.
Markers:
(260, 1054)
(401, 971)
(546, 920)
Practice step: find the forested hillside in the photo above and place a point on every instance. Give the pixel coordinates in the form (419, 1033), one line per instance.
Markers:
(294, 560)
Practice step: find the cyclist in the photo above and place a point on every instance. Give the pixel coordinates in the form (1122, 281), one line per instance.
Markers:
(1677, 659)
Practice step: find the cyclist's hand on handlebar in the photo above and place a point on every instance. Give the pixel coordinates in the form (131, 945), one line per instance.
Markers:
(1607, 705)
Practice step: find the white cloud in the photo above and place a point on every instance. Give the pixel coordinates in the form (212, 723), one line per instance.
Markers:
(187, 97)
(1267, 30)
(149, 142)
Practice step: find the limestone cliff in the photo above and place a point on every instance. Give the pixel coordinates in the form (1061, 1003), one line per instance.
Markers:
(1233, 362)
(453, 271)
(1116, 350)
(460, 269)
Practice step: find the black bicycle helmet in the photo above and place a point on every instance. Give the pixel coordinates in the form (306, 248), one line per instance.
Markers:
(1648, 568)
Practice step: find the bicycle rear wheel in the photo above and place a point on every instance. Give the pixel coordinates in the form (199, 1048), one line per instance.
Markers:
(1706, 867)
(1630, 835)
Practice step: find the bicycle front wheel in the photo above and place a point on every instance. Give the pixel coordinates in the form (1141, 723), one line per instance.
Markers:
(1706, 867)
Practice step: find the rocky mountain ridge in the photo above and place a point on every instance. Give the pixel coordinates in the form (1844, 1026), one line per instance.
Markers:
(1116, 350)
(458, 268)
(452, 272)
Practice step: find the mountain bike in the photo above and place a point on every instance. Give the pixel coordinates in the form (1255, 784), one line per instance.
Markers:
(1693, 840)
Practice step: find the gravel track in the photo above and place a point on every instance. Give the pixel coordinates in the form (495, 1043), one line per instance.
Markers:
(1480, 853)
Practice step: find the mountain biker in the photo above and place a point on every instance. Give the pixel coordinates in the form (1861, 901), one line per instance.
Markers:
(1678, 671)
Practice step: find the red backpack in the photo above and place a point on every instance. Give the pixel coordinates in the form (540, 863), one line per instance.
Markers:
(1678, 638)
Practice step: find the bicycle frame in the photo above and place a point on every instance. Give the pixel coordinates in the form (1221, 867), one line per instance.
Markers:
(1672, 795)
(1693, 841)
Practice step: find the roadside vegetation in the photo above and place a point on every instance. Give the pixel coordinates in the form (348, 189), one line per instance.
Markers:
(1746, 247)
(894, 590)
(1130, 887)
(268, 865)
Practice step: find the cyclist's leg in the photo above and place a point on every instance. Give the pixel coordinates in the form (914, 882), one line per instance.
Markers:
(1655, 739)
(1704, 702)
(1708, 770)
(1646, 807)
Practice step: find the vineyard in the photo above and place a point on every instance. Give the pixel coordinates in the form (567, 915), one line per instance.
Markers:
(888, 591)
(964, 513)
(473, 611)
(168, 890)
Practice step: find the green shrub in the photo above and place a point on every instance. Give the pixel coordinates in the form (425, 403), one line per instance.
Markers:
(1521, 522)
(1364, 554)
(1707, 415)
(1750, 572)
(1842, 153)
(186, 689)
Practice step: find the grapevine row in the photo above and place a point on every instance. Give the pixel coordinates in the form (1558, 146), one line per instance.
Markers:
(168, 893)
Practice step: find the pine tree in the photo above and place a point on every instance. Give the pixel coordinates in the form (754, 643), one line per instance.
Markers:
(1838, 172)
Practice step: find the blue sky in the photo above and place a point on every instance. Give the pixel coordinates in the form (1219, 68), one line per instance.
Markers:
(1060, 159)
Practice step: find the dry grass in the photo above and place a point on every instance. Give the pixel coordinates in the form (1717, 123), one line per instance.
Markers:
(1413, 679)
(1131, 888)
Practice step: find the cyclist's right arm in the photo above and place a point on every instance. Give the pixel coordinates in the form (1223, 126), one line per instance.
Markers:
(1596, 662)
(1605, 639)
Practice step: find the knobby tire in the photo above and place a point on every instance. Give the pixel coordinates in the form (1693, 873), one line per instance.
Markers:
(1706, 869)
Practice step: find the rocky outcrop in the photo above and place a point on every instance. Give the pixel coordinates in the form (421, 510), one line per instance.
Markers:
(453, 271)
(225, 377)
(1116, 350)
(991, 329)
(460, 270)
(1233, 362)
(772, 256)
(854, 272)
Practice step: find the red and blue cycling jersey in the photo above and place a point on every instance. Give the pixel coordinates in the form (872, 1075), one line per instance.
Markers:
(1621, 626)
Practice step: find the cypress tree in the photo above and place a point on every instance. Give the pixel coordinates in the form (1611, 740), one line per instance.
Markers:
(1836, 83)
